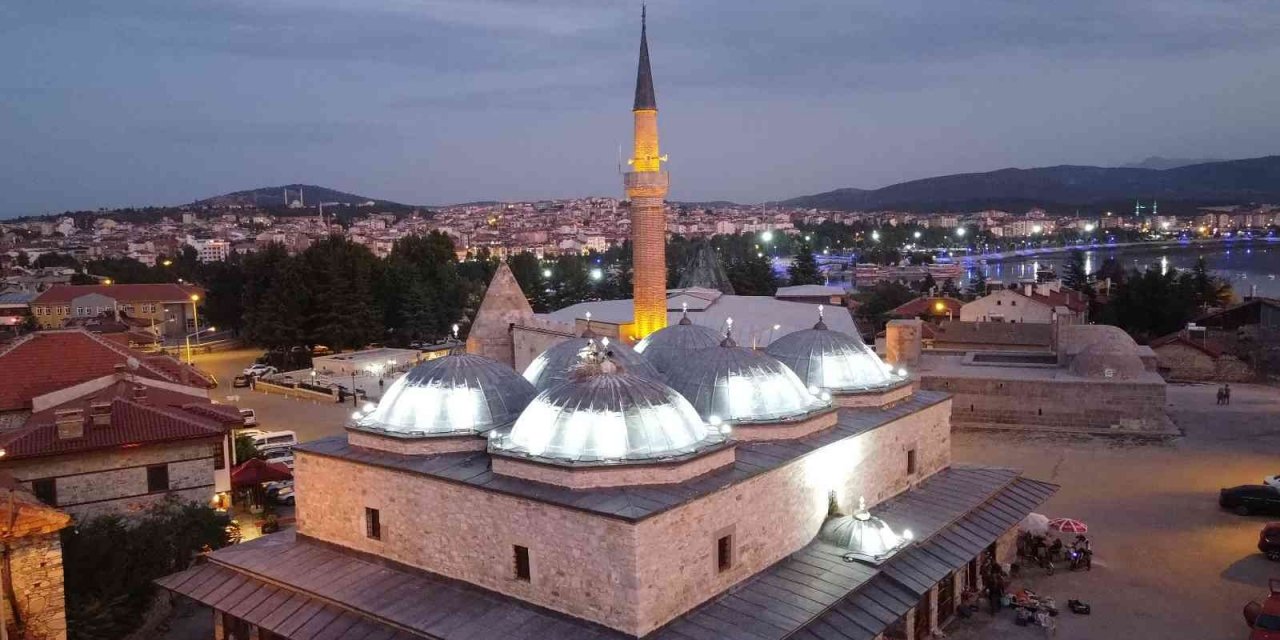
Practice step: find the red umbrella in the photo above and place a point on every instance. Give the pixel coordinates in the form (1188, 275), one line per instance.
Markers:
(1067, 525)
(257, 471)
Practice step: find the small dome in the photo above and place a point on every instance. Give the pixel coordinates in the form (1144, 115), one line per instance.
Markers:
(553, 365)
(863, 536)
(831, 360)
(667, 348)
(456, 394)
(736, 384)
(1111, 355)
(607, 416)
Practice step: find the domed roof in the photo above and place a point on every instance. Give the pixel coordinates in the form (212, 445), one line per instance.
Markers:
(455, 394)
(1110, 355)
(602, 414)
(863, 536)
(735, 384)
(552, 366)
(667, 348)
(831, 360)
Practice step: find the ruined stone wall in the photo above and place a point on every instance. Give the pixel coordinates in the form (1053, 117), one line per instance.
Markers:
(1061, 403)
(1183, 362)
(774, 514)
(115, 481)
(530, 342)
(36, 562)
(581, 564)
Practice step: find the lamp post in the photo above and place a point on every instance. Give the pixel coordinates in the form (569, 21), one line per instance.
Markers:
(355, 399)
(188, 340)
(195, 315)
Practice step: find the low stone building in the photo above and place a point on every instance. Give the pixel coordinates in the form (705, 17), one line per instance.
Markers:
(29, 529)
(172, 307)
(1186, 359)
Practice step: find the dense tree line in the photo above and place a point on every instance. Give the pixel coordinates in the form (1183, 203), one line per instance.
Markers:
(1149, 304)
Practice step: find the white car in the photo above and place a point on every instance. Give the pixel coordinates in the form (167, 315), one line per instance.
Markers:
(258, 370)
(250, 419)
(1272, 481)
(279, 455)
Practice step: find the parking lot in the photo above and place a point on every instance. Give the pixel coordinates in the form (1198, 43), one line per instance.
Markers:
(1168, 562)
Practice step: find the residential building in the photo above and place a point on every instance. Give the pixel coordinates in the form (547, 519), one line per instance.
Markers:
(172, 308)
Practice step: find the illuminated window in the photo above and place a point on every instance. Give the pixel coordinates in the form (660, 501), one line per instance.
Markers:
(911, 461)
(522, 563)
(372, 524)
(724, 553)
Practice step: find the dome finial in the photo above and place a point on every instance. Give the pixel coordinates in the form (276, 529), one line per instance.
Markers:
(820, 325)
(684, 313)
(588, 333)
(862, 513)
(728, 334)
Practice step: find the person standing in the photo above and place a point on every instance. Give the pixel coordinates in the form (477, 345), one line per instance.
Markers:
(1226, 393)
(1220, 396)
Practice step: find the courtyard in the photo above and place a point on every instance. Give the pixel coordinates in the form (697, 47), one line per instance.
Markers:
(1168, 562)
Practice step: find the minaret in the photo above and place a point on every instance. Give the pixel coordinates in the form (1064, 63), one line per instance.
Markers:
(646, 186)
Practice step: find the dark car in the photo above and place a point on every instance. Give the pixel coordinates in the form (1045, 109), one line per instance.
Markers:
(1269, 541)
(1250, 498)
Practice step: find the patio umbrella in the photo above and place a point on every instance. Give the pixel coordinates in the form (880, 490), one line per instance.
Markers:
(1067, 525)
(257, 471)
(1035, 524)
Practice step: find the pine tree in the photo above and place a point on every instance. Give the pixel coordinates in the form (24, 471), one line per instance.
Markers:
(1074, 275)
(978, 285)
(804, 269)
(927, 285)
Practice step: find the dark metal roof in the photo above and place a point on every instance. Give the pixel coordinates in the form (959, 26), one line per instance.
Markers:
(644, 78)
(630, 503)
(301, 588)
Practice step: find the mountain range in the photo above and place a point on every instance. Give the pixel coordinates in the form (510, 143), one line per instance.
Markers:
(1179, 189)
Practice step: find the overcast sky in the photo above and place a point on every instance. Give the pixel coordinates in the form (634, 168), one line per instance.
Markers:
(131, 102)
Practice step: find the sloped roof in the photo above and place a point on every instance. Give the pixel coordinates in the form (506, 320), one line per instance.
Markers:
(47, 361)
(22, 514)
(1210, 348)
(927, 305)
(704, 270)
(123, 293)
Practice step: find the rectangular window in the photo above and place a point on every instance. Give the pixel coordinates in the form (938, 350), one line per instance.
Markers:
(158, 478)
(724, 553)
(46, 489)
(372, 524)
(522, 563)
(219, 458)
(911, 461)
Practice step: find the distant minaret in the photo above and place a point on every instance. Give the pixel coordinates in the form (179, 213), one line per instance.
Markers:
(646, 186)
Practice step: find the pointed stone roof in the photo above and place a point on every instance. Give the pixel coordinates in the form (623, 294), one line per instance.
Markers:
(644, 77)
(504, 304)
(704, 271)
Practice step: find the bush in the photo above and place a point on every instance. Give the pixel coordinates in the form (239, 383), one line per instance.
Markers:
(110, 562)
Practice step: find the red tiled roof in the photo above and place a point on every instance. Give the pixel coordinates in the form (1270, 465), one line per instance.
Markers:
(928, 306)
(132, 423)
(47, 361)
(124, 293)
(1210, 348)
(1069, 298)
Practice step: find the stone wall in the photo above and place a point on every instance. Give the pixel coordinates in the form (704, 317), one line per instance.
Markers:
(115, 481)
(1183, 362)
(36, 562)
(1072, 403)
(775, 514)
(631, 577)
(619, 475)
(530, 342)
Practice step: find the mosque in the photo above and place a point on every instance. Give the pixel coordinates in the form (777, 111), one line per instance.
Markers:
(594, 475)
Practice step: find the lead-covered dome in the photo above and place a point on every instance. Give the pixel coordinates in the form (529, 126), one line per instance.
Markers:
(606, 414)
(735, 384)
(831, 360)
(863, 536)
(454, 395)
(552, 366)
(667, 348)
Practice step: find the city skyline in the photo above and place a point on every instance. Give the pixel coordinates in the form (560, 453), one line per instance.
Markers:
(452, 102)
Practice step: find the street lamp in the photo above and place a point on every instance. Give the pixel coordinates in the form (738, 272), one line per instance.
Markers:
(875, 235)
(767, 236)
(196, 333)
(195, 315)
(916, 235)
(597, 274)
(546, 273)
(960, 232)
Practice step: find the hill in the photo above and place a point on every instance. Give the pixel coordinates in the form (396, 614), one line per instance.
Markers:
(274, 197)
(1067, 186)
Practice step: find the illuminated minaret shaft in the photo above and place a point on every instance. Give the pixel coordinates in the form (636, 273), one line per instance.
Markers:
(646, 186)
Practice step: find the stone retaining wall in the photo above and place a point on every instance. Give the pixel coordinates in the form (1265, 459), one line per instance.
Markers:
(1060, 403)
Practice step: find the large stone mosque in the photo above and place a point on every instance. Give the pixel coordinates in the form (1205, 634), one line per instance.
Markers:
(622, 478)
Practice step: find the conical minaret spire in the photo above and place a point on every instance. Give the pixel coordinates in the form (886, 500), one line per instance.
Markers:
(646, 186)
(644, 76)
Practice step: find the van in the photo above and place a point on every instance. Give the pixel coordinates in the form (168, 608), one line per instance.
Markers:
(279, 455)
(250, 418)
(274, 439)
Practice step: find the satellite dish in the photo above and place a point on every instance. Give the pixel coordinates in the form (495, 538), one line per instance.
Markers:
(132, 363)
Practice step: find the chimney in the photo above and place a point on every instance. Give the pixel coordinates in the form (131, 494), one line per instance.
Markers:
(140, 393)
(70, 423)
(1026, 289)
(100, 414)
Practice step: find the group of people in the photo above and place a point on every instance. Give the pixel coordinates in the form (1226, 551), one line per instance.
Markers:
(1224, 394)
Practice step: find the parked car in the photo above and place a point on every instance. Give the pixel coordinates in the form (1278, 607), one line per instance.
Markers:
(1272, 481)
(265, 440)
(258, 370)
(1250, 498)
(240, 382)
(250, 418)
(321, 350)
(1269, 541)
(279, 455)
(279, 491)
(285, 495)
(1264, 618)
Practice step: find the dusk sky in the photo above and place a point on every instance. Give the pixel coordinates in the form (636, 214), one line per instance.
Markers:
(134, 102)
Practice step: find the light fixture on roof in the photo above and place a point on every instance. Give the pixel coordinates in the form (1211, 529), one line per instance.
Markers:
(355, 415)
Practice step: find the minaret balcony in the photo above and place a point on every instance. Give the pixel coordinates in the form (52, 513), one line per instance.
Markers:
(646, 183)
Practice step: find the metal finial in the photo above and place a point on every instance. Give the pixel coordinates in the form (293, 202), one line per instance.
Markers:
(455, 331)
(820, 310)
(684, 313)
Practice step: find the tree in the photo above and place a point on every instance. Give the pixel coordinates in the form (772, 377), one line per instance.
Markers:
(1074, 274)
(927, 285)
(978, 285)
(528, 272)
(880, 299)
(23, 259)
(949, 288)
(246, 449)
(1110, 270)
(804, 269)
(752, 275)
(56, 260)
(277, 320)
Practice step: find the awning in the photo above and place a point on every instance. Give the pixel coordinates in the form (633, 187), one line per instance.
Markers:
(258, 471)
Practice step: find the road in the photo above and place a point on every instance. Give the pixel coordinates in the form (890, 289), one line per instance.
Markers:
(309, 418)
(1168, 562)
